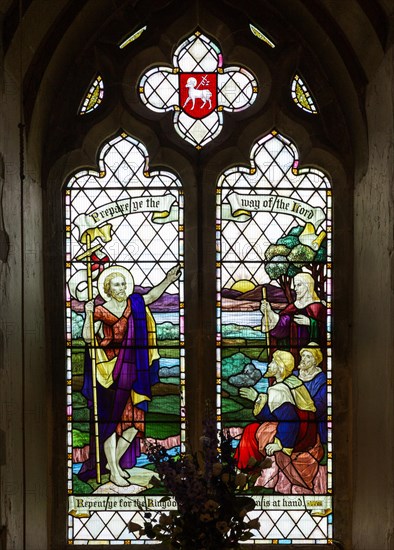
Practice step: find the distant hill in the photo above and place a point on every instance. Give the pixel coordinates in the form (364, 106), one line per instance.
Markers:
(274, 294)
(166, 303)
(232, 294)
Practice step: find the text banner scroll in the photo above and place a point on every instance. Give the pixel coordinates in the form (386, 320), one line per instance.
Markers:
(161, 207)
(241, 207)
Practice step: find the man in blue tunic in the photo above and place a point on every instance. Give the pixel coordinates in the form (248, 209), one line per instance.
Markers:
(315, 381)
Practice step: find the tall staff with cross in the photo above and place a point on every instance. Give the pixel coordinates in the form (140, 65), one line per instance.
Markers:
(104, 234)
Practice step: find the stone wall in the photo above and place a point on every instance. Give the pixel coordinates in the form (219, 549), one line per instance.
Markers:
(27, 414)
(373, 337)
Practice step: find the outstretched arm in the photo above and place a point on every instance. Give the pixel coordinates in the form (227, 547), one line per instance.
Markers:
(248, 393)
(154, 294)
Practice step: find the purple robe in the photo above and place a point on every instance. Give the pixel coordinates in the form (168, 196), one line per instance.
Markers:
(131, 372)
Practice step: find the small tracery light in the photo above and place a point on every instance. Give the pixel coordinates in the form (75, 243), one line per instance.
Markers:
(93, 97)
(198, 88)
(132, 38)
(302, 96)
(261, 36)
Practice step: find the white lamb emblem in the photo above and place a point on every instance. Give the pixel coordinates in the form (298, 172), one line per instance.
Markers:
(194, 92)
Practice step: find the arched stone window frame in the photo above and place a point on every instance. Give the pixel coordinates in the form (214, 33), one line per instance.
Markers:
(313, 148)
(199, 169)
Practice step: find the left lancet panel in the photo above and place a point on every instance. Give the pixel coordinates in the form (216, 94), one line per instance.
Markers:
(124, 339)
(93, 97)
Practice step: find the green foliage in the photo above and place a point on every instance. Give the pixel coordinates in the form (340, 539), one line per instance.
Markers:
(169, 349)
(162, 418)
(230, 405)
(276, 269)
(165, 404)
(236, 331)
(78, 362)
(157, 429)
(301, 254)
(239, 413)
(78, 400)
(290, 241)
(293, 270)
(260, 354)
(276, 250)
(297, 230)
(170, 380)
(288, 255)
(228, 388)
(80, 487)
(167, 331)
(78, 343)
(81, 414)
(234, 364)
(321, 254)
(80, 439)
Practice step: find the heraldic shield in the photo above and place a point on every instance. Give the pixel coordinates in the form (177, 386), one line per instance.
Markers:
(198, 93)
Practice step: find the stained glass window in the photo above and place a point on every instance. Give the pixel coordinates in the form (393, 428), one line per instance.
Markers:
(261, 36)
(125, 355)
(274, 337)
(302, 96)
(198, 88)
(93, 97)
(134, 36)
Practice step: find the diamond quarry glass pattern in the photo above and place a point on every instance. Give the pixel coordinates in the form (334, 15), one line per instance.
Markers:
(93, 97)
(198, 88)
(274, 363)
(302, 96)
(124, 335)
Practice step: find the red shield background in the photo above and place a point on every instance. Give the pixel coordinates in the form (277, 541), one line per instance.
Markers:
(205, 89)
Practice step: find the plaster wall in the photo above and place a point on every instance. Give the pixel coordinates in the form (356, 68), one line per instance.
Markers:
(373, 373)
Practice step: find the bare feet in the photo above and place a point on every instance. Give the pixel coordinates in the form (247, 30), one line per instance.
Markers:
(118, 480)
(120, 471)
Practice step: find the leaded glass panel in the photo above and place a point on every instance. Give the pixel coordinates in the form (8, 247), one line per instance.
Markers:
(301, 95)
(124, 323)
(93, 97)
(261, 36)
(274, 362)
(198, 88)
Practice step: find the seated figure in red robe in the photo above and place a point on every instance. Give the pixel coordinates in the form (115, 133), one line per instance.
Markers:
(286, 424)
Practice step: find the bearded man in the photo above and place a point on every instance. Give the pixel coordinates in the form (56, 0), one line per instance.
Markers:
(127, 366)
(300, 322)
(315, 381)
(285, 415)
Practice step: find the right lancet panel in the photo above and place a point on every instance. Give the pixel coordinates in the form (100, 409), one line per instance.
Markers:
(274, 337)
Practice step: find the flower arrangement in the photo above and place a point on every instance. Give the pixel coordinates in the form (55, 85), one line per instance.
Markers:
(212, 511)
